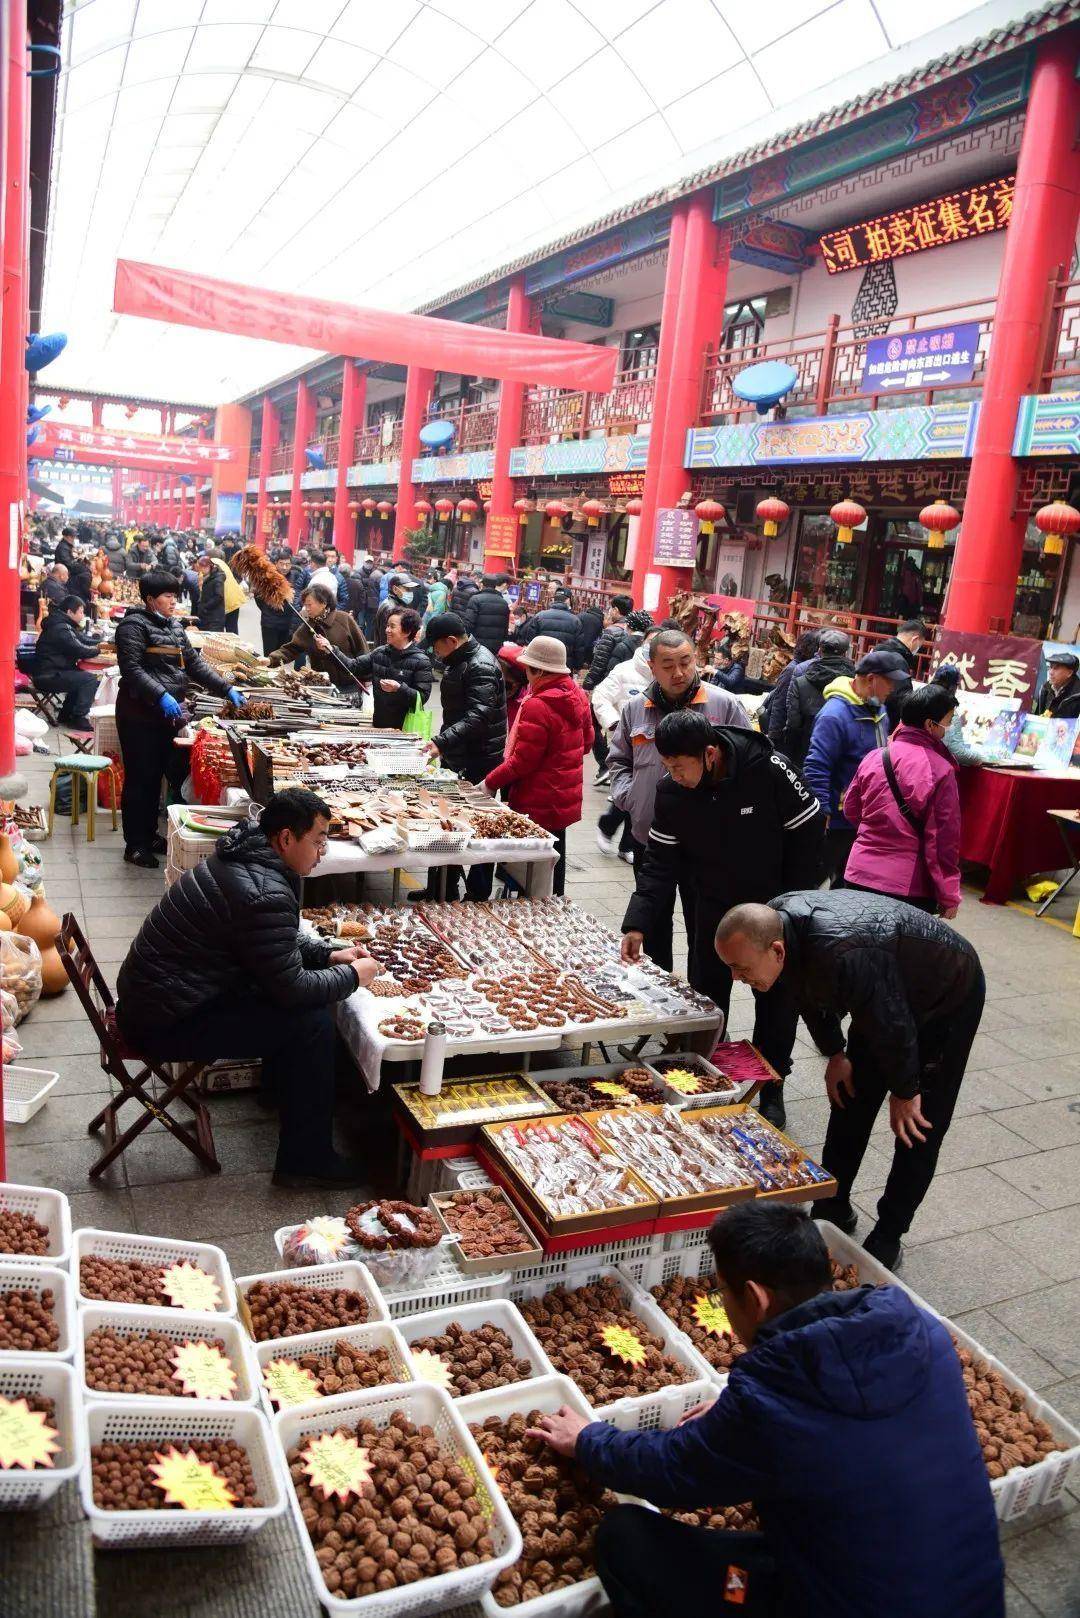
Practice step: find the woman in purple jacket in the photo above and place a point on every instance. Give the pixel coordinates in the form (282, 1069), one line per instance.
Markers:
(907, 843)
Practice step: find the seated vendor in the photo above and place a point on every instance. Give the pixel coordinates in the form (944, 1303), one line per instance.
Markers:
(323, 621)
(846, 1424)
(219, 968)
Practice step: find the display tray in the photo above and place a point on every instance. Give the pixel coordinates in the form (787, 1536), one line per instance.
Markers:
(640, 1213)
(441, 1204)
(454, 1116)
(796, 1193)
(721, 1089)
(709, 1202)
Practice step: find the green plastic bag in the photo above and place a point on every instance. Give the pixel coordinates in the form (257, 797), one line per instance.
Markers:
(418, 722)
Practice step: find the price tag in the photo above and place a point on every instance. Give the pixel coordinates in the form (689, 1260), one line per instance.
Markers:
(290, 1384)
(619, 1091)
(687, 1084)
(429, 1367)
(26, 1439)
(203, 1370)
(336, 1464)
(188, 1287)
(193, 1484)
(623, 1344)
(712, 1316)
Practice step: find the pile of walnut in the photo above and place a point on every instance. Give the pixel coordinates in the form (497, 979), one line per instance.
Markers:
(555, 1503)
(420, 1515)
(347, 1368)
(1008, 1434)
(484, 1224)
(567, 1325)
(476, 1360)
(734, 1519)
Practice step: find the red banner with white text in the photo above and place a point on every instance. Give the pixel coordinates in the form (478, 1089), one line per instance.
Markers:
(139, 451)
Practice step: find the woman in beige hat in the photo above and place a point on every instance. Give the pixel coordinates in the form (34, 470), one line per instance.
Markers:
(552, 733)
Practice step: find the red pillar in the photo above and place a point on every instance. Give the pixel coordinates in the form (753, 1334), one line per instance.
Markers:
(695, 287)
(267, 445)
(305, 421)
(183, 505)
(418, 385)
(97, 407)
(1040, 237)
(353, 399)
(15, 229)
(521, 315)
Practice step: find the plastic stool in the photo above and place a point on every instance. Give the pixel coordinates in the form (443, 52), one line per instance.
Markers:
(82, 767)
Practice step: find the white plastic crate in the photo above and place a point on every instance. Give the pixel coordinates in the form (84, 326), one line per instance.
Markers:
(50, 1208)
(647, 1410)
(447, 1284)
(381, 1334)
(154, 1250)
(441, 1174)
(546, 1396)
(130, 1320)
(21, 1374)
(628, 1255)
(39, 1278)
(26, 1090)
(471, 1316)
(424, 1406)
(171, 1422)
(349, 1274)
(694, 1262)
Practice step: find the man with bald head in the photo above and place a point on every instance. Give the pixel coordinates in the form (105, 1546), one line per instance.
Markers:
(914, 990)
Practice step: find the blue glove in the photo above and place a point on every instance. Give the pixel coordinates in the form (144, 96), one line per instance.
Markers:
(236, 697)
(169, 706)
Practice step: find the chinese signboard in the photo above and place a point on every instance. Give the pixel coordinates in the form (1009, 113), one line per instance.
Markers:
(1006, 666)
(501, 536)
(921, 359)
(675, 536)
(229, 516)
(626, 483)
(955, 218)
(158, 453)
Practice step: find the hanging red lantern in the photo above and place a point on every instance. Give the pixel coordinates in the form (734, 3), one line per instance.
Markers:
(423, 510)
(368, 507)
(327, 506)
(633, 507)
(939, 518)
(523, 507)
(772, 511)
(1055, 522)
(385, 508)
(594, 510)
(467, 509)
(847, 514)
(354, 508)
(444, 509)
(555, 511)
(487, 507)
(308, 505)
(710, 512)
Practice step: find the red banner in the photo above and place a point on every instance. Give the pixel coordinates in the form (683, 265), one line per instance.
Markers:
(1002, 665)
(183, 299)
(136, 450)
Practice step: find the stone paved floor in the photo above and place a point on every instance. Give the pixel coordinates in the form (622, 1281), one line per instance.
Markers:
(996, 1244)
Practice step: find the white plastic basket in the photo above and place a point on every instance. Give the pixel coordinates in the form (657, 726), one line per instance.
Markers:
(648, 1410)
(50, 1208)
(546, 1396)
(350, 1274)
(39, 1278)
(26, 1090)
(381, 1334)
(471, 1316)
(129, 1320)
(21, 1374)
(154, 1250)
(447, 1285)
(424, 1406)
(629, 1255)
(172, 1422)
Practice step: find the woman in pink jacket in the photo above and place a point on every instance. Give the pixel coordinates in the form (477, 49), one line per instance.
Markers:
(908, 839)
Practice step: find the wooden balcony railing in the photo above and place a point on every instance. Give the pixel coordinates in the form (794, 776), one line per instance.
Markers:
(475, 424)
(281, 458)
(1062, 353)
(330, 442)
(550, 413)
(369, 444)
(253, 463)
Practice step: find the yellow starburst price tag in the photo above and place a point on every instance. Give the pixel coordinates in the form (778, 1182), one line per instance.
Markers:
(429, 1367)
(204, 1371)
(26, 1439)
(290, 1384)
(624, 1344)
(618, 1091)
(336, 1464)
(188, 1287)
(711, 1315)
(687, 1084)
(193, 1484)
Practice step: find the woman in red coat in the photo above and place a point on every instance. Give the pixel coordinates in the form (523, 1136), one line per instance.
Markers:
(552, 733)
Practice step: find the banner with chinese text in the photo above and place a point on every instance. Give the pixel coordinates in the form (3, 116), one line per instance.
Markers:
(1005, 665)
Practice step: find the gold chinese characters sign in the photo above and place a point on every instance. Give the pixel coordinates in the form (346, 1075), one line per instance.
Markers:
(955, 218)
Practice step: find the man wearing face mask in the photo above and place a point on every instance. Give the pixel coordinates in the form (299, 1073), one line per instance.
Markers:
(326, 621)
(401, 592)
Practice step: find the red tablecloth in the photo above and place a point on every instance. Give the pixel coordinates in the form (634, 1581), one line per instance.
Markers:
(1005, 824)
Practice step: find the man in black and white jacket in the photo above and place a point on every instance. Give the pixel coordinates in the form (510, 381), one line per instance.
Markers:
(736, 820)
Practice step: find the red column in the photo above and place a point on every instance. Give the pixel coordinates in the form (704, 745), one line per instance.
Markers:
(1040, 237)
(521, 315)
(695, 287)
(353, 399)
(15, 228)
(418, 385)
(97, 407)
(267, 445)
(183, 505)
(305, 421)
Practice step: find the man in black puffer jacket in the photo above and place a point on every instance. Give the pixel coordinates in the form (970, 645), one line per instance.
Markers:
(399, 670)
(592, 620)
(564, 624)
(61, 646)
(463, 591)
(220, 968)
(806, 693)
(609, 648)
(914, 989)
(487, 615)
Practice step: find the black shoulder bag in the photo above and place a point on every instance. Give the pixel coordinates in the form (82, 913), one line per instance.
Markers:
(894, 787)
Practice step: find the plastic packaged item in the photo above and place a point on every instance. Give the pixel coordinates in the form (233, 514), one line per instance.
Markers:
(20, 971)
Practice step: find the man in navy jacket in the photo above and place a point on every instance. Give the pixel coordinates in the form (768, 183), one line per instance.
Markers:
(847, 1425)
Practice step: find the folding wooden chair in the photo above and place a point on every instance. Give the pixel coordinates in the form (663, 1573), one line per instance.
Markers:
(152, 1087)
(47, 703)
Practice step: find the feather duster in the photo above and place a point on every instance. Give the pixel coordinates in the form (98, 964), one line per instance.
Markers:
(270, 587)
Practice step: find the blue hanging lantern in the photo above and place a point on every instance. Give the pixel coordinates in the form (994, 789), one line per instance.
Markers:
(42, 348)
(316, 457)
(33, 435)
(36, 412)
(764, 385)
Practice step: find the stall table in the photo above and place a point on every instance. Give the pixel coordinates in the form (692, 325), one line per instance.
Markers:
(1006, 823)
